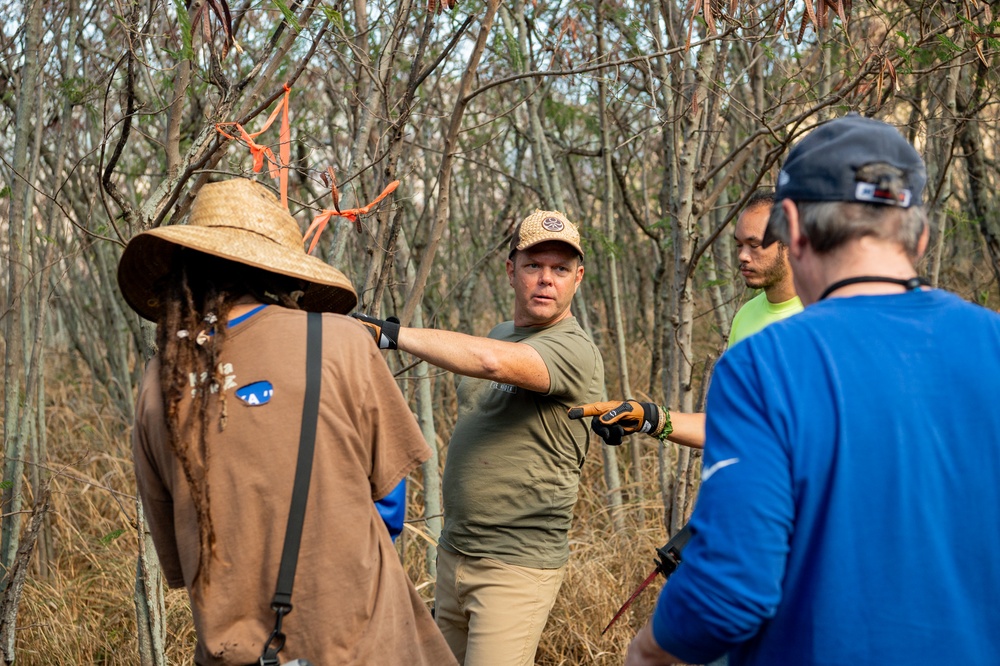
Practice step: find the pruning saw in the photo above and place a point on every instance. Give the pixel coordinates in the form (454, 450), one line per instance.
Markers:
(668, 558)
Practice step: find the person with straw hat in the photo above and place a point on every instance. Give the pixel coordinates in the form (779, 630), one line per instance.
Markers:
(216, 440)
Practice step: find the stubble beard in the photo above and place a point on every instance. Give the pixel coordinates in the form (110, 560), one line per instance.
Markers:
(771, 274)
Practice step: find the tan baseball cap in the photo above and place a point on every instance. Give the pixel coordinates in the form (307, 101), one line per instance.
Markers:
(545, 225)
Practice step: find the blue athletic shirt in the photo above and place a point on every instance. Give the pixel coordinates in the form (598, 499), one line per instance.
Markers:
(849, 512)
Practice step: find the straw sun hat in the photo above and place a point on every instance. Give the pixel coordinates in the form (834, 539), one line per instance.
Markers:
(238, 220)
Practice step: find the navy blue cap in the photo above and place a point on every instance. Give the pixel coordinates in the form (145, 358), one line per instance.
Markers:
(824, 165)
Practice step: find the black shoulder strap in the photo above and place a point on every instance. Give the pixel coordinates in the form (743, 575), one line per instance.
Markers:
(282, 602)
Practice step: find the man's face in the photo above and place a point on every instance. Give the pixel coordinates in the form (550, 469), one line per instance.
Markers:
(761, 267)
(544, 278)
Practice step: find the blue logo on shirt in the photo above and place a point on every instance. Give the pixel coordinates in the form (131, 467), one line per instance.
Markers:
(258, 393)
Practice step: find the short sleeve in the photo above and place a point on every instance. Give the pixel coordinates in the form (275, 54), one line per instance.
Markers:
(574, 364)
(397, 444)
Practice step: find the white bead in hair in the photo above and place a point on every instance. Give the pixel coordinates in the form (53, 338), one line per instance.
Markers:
(183, 333)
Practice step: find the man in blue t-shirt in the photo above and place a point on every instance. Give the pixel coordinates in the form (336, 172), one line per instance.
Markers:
(850, 500)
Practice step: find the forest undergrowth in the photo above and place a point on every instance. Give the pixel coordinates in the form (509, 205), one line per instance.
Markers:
(78, 605)
(81, 609)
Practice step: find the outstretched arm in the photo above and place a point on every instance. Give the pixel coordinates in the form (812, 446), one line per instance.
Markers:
(615, 418)
(505, 362)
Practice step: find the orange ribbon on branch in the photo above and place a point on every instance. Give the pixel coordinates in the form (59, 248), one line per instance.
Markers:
(320, 221)
(277, 168)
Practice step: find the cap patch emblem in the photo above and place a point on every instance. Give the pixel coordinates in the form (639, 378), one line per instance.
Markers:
(871, 193)
(552, 224)
(258, 393)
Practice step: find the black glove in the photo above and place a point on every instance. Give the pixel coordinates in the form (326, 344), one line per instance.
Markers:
(613, 420)
(385, 331)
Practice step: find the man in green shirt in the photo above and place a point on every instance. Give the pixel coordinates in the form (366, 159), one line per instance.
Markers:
(513, 462)
(764, 268)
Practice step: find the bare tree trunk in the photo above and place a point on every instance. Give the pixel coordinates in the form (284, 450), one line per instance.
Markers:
(941, 133)
(608, 208)
(150, 612)
(431, 468)
(19, 264)
(374, 99)
(716, 292)
(425, 415)
(663, 356)
(685, 237)
(17, 574)
(444, 173)
(989, 224)
(723, 291)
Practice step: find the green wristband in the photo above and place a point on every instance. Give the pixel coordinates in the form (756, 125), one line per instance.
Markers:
(666, 426)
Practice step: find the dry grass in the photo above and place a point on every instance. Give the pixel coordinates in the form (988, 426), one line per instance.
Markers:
(82, 611)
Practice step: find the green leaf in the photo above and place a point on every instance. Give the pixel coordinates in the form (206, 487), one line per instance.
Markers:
(333, 16)
(513, 48)
(287, 13)
(4, 193)
(6, 485)
(187, 50)
(944, 39)
(111, 536)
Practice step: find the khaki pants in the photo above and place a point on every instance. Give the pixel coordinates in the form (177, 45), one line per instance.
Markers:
(492, 613)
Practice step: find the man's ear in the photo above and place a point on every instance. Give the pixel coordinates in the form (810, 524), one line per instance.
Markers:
(510, 271)
(797, 242)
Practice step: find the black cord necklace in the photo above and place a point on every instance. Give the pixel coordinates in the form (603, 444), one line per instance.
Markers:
(910, 283)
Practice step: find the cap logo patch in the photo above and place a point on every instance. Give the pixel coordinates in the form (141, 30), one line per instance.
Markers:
(552, 224)
(258, 393)
(783, 178)
(871, 193)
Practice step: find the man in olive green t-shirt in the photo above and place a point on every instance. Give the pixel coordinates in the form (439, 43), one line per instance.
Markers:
(513, 462)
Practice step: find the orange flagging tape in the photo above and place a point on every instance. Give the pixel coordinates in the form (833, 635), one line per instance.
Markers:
(320, 221)
(277, 169)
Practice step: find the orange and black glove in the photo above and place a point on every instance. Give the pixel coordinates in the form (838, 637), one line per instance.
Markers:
(385, 331)
(613, 419)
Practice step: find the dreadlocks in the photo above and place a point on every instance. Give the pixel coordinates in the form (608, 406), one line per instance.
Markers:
(199, 292)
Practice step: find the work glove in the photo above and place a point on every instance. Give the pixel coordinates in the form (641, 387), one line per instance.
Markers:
(385, 331)
(613, 420)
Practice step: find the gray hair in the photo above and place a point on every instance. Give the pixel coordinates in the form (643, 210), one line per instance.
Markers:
(830, 224)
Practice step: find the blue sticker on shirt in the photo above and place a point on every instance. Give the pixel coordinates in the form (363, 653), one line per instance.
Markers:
(258, 393)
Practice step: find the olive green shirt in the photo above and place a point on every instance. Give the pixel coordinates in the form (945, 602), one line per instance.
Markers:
(513, 462)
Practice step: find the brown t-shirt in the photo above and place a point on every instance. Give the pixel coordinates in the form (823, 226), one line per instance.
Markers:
(352, 600)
